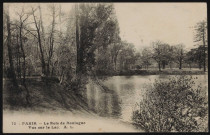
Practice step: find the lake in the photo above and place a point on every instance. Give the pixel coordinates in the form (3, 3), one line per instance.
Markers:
(125, 92)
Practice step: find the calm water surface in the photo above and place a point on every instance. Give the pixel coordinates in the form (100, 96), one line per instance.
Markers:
(124, 93)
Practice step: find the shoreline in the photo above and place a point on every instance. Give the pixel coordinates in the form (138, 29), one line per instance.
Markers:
(154, 72)
(136, 72)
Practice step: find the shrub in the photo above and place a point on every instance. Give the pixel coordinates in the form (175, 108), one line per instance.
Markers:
(176, 105)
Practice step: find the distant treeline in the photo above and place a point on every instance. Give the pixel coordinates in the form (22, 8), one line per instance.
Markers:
(174, 56)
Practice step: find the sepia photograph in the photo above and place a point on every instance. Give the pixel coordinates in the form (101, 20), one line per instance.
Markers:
(105, 67)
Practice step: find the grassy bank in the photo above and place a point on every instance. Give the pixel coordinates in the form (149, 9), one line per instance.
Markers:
(44, 96)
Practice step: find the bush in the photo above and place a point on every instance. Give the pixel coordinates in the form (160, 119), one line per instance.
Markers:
(176, 105)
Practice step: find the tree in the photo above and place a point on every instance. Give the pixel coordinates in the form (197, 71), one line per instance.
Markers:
(127, 56)
(9, 48)
(165, 55)
(107, 39)
(96, 28)
(21, 24)
(21, 35)
(201, 37)
(179, 54)
(64, 63)
(38, 30)
(171, 57)
(146, 57)
(157, 53)
(190, 58)
(115, 52)
(197, 55)
(51, 38)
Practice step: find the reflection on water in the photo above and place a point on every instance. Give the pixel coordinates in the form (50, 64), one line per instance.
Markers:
(125, 93)
(103, 103)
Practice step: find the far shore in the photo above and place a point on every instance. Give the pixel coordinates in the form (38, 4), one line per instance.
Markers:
(156, 72)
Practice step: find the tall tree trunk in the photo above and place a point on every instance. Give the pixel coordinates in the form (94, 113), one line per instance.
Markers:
(42, 55)
(52, 71)
(170, 65)
(18, 59)
(180, 59)
(204, 51)
(23, 53)
(163, 63)
(199, 61)
(51, 42)
(115, 63)
(24, 66)
(159, 65)
(13, 76)
(42, 31)
(199, 65)
(60, 33)
(180, 64)
(40, 46)
(4, 67)
(78, 66)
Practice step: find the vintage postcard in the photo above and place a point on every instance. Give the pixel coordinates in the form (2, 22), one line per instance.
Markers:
(105, 67)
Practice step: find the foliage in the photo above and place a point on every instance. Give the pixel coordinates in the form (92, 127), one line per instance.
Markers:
(196, 55)
(127, 56)
(173, 105)
(146, 57)
(201, 32)
(179, 54)
(202, 40)
(161, 53)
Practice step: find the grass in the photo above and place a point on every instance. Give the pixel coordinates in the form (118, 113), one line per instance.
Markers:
(43, 96)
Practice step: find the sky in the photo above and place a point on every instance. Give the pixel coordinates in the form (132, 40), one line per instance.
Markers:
(143, 23)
